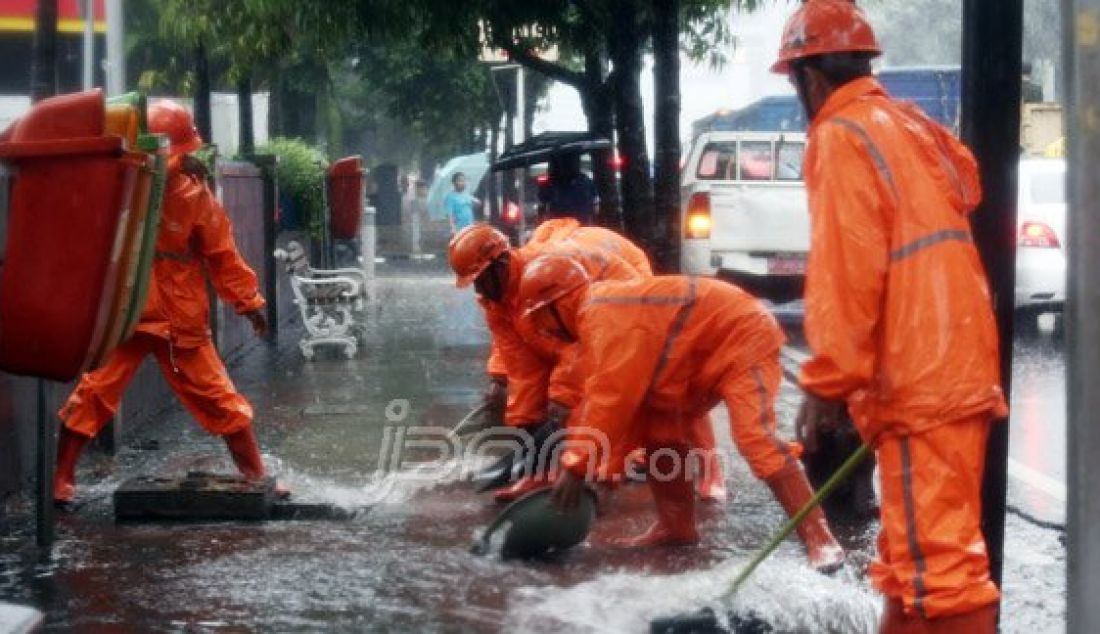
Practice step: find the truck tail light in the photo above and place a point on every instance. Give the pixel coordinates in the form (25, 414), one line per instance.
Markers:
(1038, 234)
(698, 216)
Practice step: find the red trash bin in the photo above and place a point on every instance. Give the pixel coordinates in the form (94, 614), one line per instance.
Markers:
(345, 197)
(67, 197)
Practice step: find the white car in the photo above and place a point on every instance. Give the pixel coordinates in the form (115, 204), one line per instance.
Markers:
(745, 213)
(1040, 255)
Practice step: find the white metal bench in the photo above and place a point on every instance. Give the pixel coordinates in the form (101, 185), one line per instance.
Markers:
(331, 301)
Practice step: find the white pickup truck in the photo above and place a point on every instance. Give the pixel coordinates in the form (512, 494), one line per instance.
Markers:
(745, 214)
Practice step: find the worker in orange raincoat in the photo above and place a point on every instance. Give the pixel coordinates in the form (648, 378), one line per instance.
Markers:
(195, 235)
(659, 353)
(898, 318)
(538, 374)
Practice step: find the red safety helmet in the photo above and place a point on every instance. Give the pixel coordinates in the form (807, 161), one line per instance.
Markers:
(170, 118)
(472, 250)
(825, 26)
(547, 279)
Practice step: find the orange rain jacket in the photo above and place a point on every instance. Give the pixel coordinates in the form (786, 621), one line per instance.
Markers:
(195, 234)
(898, 312)
(667, 344)
(537, 367)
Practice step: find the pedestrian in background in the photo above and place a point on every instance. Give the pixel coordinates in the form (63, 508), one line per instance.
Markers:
(569, 193)
(460, 204)
(899, 319)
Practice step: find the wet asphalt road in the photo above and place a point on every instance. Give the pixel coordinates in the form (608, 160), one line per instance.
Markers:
(402, 564)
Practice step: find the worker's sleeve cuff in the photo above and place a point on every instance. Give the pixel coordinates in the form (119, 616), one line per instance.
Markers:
(254, 303)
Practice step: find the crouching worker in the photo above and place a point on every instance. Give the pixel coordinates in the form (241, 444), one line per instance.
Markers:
(195, 234)
(660, 353)
(541, 379)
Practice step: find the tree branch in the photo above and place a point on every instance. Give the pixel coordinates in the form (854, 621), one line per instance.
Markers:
(554, 71)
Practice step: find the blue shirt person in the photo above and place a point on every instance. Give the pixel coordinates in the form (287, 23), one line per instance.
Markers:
(460, 204)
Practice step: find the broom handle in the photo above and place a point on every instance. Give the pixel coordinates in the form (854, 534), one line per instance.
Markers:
(833, 482)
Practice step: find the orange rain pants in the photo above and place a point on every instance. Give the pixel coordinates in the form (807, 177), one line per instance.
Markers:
(750, 399)
(196, 375)
(900, 323)
(932, 556)
(194, 242)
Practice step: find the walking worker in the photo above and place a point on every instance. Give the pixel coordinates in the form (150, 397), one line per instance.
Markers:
(898, 318)
(533, 377)
(459, 204)
(660, 353)
(195, 235)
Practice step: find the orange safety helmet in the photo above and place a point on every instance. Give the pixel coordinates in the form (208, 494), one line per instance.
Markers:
(825, 26)
(473, 249)
(169, 118)
(547, 279)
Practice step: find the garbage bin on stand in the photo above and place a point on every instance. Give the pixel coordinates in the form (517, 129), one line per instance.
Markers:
(344, 183)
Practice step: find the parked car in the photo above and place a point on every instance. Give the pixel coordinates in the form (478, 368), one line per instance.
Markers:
(745, 212)
(1040, 255)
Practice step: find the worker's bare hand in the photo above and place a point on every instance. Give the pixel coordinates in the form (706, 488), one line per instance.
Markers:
(567, 492)
(817, 416)
(259, 322)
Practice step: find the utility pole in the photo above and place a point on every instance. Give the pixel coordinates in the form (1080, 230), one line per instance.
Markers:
(116, 48)
(991, 84)
(43, 85)
(88, 8)
(1081, 20)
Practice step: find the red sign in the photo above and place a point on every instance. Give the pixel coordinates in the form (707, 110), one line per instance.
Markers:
(18, 15)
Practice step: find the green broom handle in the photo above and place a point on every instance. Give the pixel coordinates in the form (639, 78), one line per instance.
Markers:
(837, 478)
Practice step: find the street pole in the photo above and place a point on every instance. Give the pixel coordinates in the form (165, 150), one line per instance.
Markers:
(43, 85)
(88, 7)
(116, 49)
(1081, 19)
(991, 83)
(521, 136)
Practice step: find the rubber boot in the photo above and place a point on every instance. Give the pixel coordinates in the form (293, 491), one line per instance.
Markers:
(522, 487)
(896, 621)
(675, 502)
(69, 446)
(711, 483)
(246, 455)
(793, 491)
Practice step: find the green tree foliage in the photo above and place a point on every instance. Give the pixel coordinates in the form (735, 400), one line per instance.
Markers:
(301, 173)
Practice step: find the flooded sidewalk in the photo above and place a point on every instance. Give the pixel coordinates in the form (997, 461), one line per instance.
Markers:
(331, 430)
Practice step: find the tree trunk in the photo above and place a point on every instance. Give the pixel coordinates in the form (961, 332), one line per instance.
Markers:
(247, 146)
(276, 106)
(596, 99)
(203, 117)
(666, 88)
(625, 44)
(44, 55)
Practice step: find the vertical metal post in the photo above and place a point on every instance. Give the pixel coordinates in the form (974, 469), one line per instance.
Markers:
(521, 136)
(1081, 19)
(44, 459)
(991, 84)
(266, 163)
(116, 48)
(88, 62)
